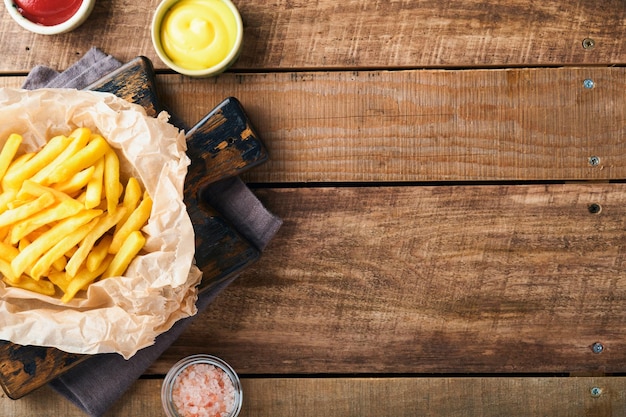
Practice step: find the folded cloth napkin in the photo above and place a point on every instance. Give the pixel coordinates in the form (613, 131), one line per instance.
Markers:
(98, 382)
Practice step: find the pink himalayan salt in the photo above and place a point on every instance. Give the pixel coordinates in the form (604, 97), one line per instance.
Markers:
(203, 390)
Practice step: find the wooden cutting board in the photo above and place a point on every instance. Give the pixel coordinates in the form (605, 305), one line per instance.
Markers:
(221, 145)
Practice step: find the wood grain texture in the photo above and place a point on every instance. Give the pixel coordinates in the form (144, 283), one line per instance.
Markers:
(423, 125)
(443, 279)
(406, 280)
(134, 82)
(370, 397)
(223, 144)
(24, 367)
(429, 33)
(357, 34)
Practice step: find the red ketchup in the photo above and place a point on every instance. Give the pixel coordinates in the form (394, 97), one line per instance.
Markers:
(48, 12)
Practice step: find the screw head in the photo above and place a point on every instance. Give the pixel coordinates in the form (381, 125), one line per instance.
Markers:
(589, 84)
(588, 43)
(596, 392)
(597, 347)
(594, 208)
(594, 161)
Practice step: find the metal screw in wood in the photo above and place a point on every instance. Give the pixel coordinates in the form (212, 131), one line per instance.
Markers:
(588, 43)
(594, 208)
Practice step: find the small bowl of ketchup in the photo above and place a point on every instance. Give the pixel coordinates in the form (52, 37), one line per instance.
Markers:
(49, 17)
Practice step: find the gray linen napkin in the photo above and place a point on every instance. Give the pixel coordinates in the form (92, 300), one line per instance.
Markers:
(95, 384)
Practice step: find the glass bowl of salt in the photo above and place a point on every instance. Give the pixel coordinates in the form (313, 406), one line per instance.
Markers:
(201, 385)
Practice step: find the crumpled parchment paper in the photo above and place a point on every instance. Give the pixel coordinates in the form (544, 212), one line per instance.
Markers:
(121, 314)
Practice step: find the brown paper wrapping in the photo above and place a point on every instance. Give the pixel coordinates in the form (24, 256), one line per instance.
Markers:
(121, 314)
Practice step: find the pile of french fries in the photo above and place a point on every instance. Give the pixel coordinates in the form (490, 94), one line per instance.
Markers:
(63, 221)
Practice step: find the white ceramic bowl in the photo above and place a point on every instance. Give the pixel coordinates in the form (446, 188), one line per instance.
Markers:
(72, 23)
(223, 65)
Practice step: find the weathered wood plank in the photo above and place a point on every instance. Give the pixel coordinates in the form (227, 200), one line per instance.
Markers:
(520, 124)
(455, 279)
(365, 397)
(431, 33)
(357, 34)
(434, 397)
(423, 125)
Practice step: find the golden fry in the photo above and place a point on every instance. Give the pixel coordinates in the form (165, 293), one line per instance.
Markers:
(43, 264)
(99, 253)
(77, 182)
(37, 233)
(93, 193)
(78, 140)
(81, 198)
(32, 252)
(8, 252)
(129, 249)
(60, 264)
(135, 221)
(83, 278)
(33, 189)
(15, 165)
(60, 279)
(63, 210)
(21, 160)
(26, 210)
(111, 180)
(24, 242)
(81, 134)
(27, 283)
(6, 198)
(105, 222)
(8, 152)
(5, 269)
(82, 159)
(71, 252)
(132, 196)
(16, 203)
(45, 156)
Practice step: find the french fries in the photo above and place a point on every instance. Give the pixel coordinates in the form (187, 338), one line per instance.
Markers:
(15, 177)
(8, 153)
(62, 225)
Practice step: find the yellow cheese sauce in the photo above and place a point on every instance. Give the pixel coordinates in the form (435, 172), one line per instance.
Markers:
(198, 34)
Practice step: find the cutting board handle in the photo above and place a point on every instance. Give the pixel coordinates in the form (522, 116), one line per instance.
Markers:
(223, 144)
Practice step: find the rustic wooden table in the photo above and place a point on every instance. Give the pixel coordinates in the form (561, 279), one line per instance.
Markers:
(453, 199)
